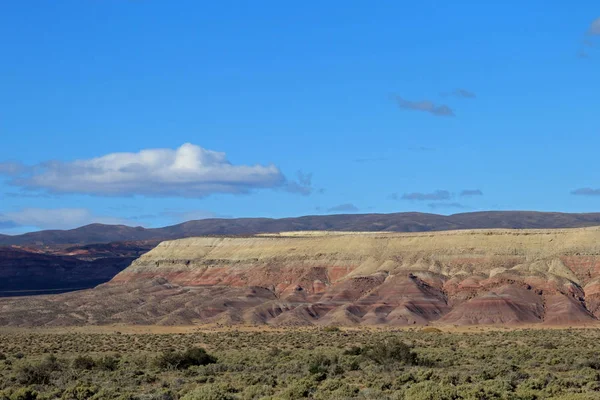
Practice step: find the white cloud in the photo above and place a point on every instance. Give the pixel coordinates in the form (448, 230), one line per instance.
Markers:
(189, 171)
(57, 218)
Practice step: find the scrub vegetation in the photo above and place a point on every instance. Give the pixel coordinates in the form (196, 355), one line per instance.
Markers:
(418, 364)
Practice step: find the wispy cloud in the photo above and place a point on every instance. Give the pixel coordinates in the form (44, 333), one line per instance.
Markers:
(463, 93)
(471, 192)
(437, 195)
(302, 185)
(7, 224)
(439, 110)
(347, 207)
(188, 171)
(582, 54)
(588, 41)
(446, 205)
(433, 196)
(595, 27)
(586, 192)
(11, 168)
(28, 195)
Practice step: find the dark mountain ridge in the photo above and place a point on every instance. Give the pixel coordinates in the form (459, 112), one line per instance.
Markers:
(395, 222)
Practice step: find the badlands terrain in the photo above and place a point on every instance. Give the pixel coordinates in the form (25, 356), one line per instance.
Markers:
(468, 277)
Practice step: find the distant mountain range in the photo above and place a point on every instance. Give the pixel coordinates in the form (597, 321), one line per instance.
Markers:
(397, 222)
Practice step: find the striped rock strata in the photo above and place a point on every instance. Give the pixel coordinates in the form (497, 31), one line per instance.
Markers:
(456, 277)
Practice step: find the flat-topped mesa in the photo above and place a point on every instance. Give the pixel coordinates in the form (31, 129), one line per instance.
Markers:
(463, 277)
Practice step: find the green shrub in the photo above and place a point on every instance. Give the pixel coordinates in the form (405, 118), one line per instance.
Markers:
(210, 392)
(335, 389)
(353, 351)
(432, 391)
(37, 374)
(299, 389)
(390, 351)
(319, 365)
(107, 363)
(593, 363)
(195, 356)
(164, 395)
(79, 392)
(83, 363)
(257, 392)
(24, 394)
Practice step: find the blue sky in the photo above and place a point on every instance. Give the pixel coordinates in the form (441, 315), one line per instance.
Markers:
(244, 109)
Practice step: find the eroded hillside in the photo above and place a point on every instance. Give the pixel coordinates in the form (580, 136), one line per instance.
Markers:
(303, 278)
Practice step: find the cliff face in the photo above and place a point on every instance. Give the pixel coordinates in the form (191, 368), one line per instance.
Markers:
(458, 277)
